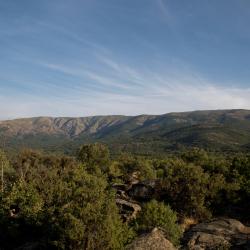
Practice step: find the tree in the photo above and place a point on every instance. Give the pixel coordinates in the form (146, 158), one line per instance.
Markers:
(87, 217)
(7, 172)
(59, 204)
(144, 167)
(185, 187)
(95, 157)
(3, 163)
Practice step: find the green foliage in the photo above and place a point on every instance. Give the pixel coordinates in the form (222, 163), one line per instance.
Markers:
(95, 157)
(26, 198)
(114, 172)
(62, 202)
(241, 164)
(196, 155)
(157, 214)
(224, 131)
(3, 157)
(87, 221)
(7, 169)
(66, 207)
(186, 187)
(144, 167)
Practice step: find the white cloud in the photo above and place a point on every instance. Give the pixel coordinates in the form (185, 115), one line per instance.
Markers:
(153, 101)
(140, 92)
(87, 74)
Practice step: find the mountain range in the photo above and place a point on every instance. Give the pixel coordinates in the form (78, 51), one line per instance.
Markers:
(227, 130)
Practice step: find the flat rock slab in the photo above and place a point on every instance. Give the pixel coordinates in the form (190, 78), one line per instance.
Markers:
(218, 234)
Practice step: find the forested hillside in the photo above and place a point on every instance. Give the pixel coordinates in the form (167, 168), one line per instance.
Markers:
(90, 201)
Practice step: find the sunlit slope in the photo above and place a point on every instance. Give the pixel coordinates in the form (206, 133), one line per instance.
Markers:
(219, 130)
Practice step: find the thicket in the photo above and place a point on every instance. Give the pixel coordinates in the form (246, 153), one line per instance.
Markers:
(157, 214)
(61, 202)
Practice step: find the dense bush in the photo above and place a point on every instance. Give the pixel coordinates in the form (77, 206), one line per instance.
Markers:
(64, 207)
(64, 202)
(157, 214)
(129, 164)
(95, 157)
(186, 187)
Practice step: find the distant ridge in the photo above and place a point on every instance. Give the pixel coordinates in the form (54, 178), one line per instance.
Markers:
(215, 129)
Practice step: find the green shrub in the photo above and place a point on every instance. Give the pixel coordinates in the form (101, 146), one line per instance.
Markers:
(157, 214)
(95, 157)
(62, 206)
(185, 188)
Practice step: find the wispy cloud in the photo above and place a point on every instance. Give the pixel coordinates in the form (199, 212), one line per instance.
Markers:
(87, 74)
(166, 13)
(159, 94)
(207, 97)
(64, 72)
(163, 7)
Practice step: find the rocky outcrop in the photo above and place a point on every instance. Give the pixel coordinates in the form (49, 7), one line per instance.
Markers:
(155, 240)
(128, 210)
(145, 190)
(141, 192)
(129, 195)
(218, 234)
(133, 179)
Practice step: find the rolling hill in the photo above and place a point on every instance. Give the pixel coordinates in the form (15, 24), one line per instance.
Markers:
(227, 130)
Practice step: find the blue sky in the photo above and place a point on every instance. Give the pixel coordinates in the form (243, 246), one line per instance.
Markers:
(100, 57)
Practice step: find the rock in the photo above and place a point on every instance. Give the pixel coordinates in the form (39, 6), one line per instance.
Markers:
(146, 190)
(14, 211)
(128, 209)
(141, 192)
(120, 191)
(155, 240)
(187, 222)
(134, 178)
(218, 234)
(118, 186)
